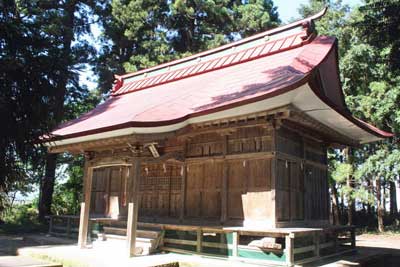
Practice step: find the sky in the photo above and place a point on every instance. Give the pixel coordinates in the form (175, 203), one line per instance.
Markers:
(287, 9)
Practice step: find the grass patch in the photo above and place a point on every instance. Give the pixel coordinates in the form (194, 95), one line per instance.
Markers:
(63, 262)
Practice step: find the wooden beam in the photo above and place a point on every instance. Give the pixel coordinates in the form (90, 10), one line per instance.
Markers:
(133, 208)
(85, 205)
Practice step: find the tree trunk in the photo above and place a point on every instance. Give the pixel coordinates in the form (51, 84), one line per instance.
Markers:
(335, 206)
(47, 187)
(369, 208)
(379, 205)
(393, 199)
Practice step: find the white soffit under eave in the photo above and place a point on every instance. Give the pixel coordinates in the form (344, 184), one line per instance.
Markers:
(308, 102)
(303, 98)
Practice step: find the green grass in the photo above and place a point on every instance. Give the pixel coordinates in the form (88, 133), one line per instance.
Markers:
(63, 262)
(389, 230)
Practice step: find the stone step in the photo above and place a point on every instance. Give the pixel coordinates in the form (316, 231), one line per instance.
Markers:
(145, 233)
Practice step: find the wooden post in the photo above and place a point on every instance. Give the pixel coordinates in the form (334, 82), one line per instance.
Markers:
(183, 192)
(183, 183)
(85, 205)
(274, 171)
(224, 190)
(133, 207)
(235, 243)
(199, 240)
(289, 241)
(316, 244)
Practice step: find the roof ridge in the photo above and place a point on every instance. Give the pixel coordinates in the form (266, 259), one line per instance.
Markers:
(306, 23)
(261, 50)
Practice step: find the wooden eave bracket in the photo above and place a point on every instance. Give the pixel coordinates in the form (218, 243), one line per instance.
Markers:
(227, 126)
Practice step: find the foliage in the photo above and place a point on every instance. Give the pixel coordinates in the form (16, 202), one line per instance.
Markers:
(368, 51)
(40, 62)
(22, 214)
(68, 194)
(141, 34)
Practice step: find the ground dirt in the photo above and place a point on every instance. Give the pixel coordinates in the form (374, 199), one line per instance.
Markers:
(372, 250)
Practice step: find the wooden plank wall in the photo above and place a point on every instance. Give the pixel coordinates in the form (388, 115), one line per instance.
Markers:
(248, 176)
(301, 183)
(160, 190)
(228, 177)
(108, 182)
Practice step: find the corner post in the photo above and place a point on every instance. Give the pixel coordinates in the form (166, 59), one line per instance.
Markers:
(85, 205)
(133, 207)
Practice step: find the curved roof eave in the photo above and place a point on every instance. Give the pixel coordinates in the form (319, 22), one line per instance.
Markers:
(304, 97)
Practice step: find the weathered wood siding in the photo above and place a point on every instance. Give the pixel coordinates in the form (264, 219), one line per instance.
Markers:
(160, 190)
(109, 182)
(250, 174)
(301, 183)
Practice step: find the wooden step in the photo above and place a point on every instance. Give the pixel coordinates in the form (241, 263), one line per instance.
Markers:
(139, 232)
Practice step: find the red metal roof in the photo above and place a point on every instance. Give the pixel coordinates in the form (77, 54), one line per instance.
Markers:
(262, 50)
(174, 92)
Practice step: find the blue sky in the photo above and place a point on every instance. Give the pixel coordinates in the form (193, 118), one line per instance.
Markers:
(287, 9)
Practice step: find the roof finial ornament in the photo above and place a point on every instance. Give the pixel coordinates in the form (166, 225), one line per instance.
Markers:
(118, 82)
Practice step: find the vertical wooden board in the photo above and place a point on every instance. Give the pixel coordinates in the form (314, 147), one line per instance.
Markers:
(259, 176)
(115, 183)
(211, 190)
(163, 204)
(282, 175)
(237, 186)
(193, 189)
(216, 148)
(211, 204)
(175, 205)
(282, 196)
(266, 143)
(235, 205)
(283, 206)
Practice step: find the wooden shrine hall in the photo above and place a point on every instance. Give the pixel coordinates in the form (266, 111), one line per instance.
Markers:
(221, 153)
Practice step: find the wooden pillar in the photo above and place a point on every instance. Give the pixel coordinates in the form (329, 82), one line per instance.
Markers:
(274, 171)
(289, 242)
(183, 183)
(85, 205)
(235, 244)
(199, 241)
(133, 207)
(224, 190)
(316, 244)
(183, 192)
